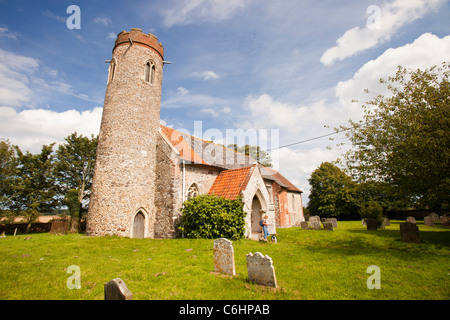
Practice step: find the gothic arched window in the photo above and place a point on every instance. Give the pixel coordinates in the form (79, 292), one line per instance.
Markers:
(149, 73)
(192, 191)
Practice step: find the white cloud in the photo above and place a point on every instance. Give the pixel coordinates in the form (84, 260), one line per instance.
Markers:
(111, 36)
(186, 12)
(423, 53)
(182, 91)
(15, 76)
(393, 16)
(30, 129)
(206, 75)
(4, 32)
(104, 21)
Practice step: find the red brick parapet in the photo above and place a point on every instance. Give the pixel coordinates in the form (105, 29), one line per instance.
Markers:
(137, 36)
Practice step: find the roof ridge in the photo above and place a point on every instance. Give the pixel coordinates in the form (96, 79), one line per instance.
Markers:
(211, 142)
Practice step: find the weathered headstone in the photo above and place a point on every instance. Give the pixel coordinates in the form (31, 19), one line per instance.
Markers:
(327, 225)
(386, 222)
(411, 219)
(445, 220)
(363, 221)
(314, 223)
(372, 224)
(224, 256)
(435, 217)
(260, 270)
(116, 289)
(409, 232)
(333, 221)
(428, 221)
(304, 225)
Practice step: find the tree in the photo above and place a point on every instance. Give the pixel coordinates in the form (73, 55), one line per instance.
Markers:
(333, 193)
(35, 191)
(8, 175)
(255, 152)
(74, 170)
(404, 138)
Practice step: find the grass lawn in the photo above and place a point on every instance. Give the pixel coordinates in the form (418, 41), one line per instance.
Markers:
(309, 264)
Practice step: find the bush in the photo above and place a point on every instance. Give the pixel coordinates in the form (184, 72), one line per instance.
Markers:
(211, 217)
(372, 210)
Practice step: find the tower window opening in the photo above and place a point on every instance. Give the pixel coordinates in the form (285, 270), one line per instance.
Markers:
(112, 70)
(149, 73)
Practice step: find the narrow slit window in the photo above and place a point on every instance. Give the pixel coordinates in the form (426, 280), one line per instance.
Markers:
(152, 78)
(147, 72)
(112, 70)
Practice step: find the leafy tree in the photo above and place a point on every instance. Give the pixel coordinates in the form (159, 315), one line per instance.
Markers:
(35, 192)
(255, 152)
(372, 210)
(8, 174)
(207, 216)
(74, 170)
(333, 193)
(404, 139)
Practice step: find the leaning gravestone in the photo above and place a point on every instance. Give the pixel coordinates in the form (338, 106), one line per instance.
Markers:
(411, 219)
(260, 270)
(428, 221)
(372, 224)
(327, 225)
(314, 223)
(333, 221)
(224, 256)
(409, 232)
(116, 289)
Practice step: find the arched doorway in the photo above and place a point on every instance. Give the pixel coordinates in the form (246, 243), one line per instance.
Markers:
(139, 225)
(256, 215)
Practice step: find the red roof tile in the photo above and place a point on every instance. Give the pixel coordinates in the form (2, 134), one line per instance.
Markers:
(230, 183)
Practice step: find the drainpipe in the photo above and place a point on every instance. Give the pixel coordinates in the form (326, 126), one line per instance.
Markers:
(184, 178)
(182, 190)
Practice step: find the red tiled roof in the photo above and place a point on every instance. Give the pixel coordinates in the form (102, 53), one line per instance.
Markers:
(273, 174)
(230, 183)
(179, 143)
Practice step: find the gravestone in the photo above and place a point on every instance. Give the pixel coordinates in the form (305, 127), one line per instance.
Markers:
(314, 223)
(260, 270)
(386, 222)
(327, 225)
(304, 225)
(60, 226)
(445, 220)
(411, 219)
(428, 221)
(372, 224)
(435, 217)
(409, 232)
(224, 256)
(116, 289)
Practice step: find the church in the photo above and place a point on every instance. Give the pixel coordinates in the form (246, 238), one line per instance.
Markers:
(145, 171)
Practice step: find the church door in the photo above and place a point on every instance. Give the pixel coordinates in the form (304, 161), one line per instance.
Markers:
(138, 226)
(256, 215)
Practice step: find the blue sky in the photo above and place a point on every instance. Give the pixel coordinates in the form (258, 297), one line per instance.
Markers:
(292, 66)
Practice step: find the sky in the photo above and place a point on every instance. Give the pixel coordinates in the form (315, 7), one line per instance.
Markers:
(288, 70)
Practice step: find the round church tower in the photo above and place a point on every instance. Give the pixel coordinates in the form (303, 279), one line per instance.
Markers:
(123, 191)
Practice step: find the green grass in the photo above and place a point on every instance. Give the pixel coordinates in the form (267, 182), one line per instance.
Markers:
(309, 264)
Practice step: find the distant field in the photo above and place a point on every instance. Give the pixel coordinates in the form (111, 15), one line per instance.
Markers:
(309, 264)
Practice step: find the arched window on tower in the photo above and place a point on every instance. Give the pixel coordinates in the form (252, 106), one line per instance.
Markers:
(192, 191)
(112, 70)
(149, 72)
